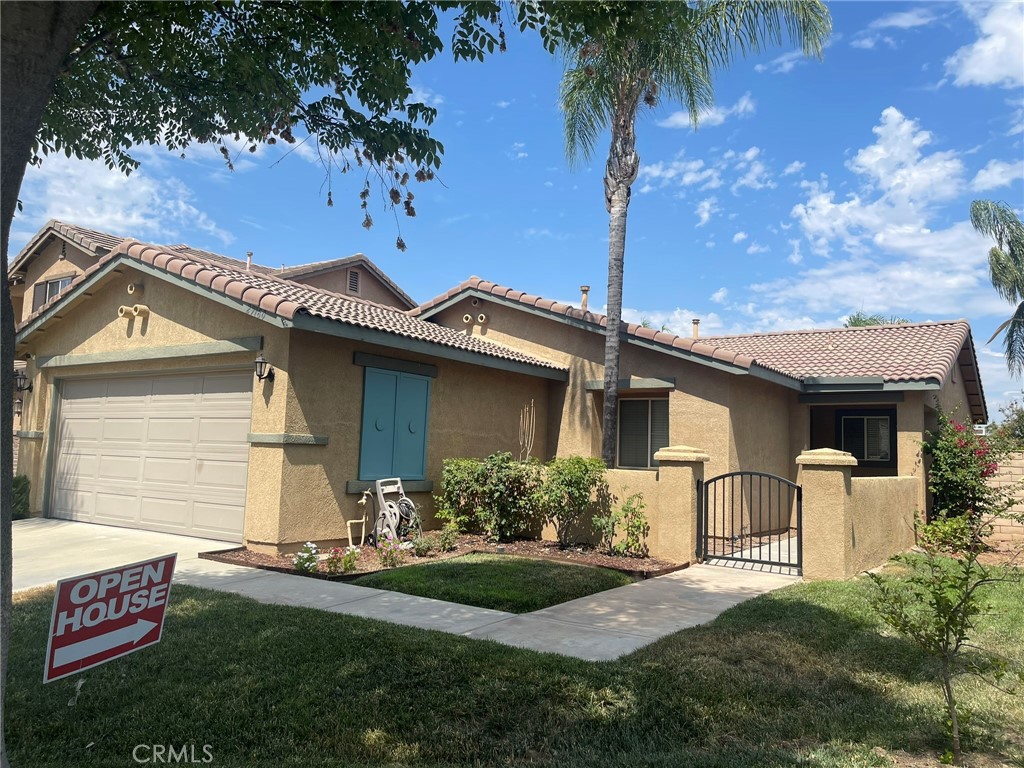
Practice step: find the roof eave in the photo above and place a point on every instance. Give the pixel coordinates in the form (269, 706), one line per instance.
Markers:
(307, 322)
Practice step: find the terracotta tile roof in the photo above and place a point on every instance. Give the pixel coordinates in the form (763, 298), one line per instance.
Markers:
(288, 300)
(697, 347)
(895, 353)
(90, 240)
(218, 258)
(322, 266)
(916, 352)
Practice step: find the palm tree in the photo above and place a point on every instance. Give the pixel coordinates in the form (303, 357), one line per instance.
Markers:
(863, 319)
(660, 50)
(1006, 268)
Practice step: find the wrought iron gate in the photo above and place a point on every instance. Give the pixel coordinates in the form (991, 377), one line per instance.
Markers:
(750, 517)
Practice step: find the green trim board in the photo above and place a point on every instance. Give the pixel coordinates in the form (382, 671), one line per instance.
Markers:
(285, 438)
(665, 382)
(409, 486)
(51, 447)
(368, 360)
(202, 349)
(384, 339)
(29, 435)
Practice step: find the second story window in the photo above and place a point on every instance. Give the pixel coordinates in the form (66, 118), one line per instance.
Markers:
(42, 292)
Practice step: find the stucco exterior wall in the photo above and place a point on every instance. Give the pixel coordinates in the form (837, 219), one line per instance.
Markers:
(336, 281)
(737, 420)
(881, 519)
(48, 265)
(474, 411)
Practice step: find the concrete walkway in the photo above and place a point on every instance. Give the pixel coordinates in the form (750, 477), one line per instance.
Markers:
(598, 627)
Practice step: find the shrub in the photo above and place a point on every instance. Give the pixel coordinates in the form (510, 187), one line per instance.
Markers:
(447, 537)
(19, 491)
(422, 545)
(631, 516)
(340, 560)
(389, 550)
(307, 559)
(497, 497)
(573, 487)
(936, 603)
(962, 463)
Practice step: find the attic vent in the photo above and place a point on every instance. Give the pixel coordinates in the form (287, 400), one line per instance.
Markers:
(353, 281)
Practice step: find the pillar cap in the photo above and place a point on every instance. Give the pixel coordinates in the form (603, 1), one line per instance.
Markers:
(829, 457)
(681, 453)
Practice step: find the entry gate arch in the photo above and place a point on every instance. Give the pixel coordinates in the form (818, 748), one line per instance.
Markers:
(750, 517)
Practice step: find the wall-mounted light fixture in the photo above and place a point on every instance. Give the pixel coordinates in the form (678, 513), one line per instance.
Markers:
(17, 408)
(263, 369)
(21, 381)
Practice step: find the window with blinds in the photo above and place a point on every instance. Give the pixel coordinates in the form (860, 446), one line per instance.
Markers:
(643, 431)
(868, 438)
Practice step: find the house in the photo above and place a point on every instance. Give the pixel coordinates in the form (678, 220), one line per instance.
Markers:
(146, 410)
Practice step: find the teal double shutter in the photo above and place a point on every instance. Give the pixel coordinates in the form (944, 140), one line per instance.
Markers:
(393, 441)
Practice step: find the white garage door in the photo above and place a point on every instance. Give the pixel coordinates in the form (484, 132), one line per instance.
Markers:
(165, 453)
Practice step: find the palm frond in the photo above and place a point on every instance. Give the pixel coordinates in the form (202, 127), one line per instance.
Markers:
(1013, 342)
(1006, 275)
(585, 107)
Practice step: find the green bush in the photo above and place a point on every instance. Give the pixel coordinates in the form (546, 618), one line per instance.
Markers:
(497, 497)
(19, 490)
(423, 545)
(447, 537)
(574, 488)
(631, 516)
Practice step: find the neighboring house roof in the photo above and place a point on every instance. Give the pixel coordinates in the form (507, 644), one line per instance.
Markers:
(299, 306)
(316, 267)
(916, 355)
(90, 240)
(218, 258)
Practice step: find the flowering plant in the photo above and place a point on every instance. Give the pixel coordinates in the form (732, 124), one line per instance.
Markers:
(307, 559)
(390, 550)
(340, 560)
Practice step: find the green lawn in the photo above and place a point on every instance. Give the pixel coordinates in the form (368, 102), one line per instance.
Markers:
(798, 677)
(501, 582)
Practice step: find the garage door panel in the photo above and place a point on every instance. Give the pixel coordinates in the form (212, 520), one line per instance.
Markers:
(221, 474)
(119, 468)
(126, 430)
(159, 511)
(165, 469)
(224, 430)
(120, 507)
(216, 518)
(172, 430)
(166, 452)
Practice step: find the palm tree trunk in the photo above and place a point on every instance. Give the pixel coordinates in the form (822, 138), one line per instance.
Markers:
(620, 173)
(35, 39)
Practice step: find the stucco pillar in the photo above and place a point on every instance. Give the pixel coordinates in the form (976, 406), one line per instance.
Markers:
(824, 475)
(675, 535)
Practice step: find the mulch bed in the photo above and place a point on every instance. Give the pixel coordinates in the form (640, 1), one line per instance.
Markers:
(369, 562)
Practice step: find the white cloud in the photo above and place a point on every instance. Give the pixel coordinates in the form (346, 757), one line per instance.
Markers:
(997, 56)
(997, 174)
(678, 321)
(756, 248)
(144, 205)
(783, 64)
(795, 167)
(720, 295)
(424, 95)
(680, 171)
(739, 237)
(918, 17)
(755, 177)
(864, 43)
(517, 151)
(503, 104)
(716, 115)
(706, 209)
(539, 233)
(795, 253)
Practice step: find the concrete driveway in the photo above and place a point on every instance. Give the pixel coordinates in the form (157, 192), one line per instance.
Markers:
(48, 550)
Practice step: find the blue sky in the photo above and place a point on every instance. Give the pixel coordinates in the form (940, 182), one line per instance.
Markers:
(812, 190)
